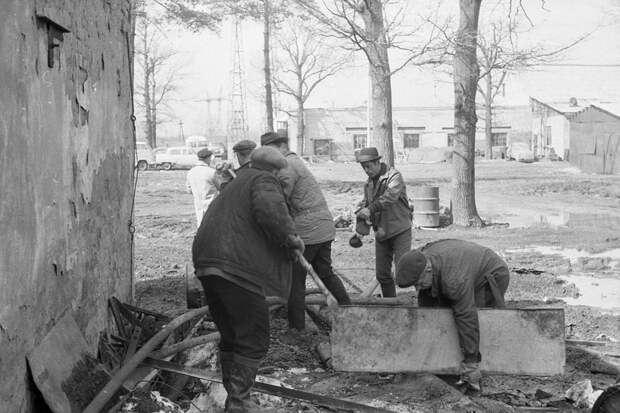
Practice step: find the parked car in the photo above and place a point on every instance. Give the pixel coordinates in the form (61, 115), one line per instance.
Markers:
(176, 157)
(145, 156)
(520, 151)
(218, 149)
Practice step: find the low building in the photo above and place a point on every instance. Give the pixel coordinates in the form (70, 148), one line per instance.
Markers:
(420, 133)
(584, 132)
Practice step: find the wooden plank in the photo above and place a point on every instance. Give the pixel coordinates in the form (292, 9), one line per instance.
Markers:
(284, 392)
(412, 339)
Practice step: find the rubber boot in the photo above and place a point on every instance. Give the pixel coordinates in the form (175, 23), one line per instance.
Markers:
(241, 382)
(335, 286)
(226, 362)
(296, 305)
(388, 289)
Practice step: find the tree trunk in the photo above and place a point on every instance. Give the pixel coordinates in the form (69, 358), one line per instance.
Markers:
(301, 126)
(154, 110)
(266, 52)
(488, 117)
(465, 80)
(381, 85)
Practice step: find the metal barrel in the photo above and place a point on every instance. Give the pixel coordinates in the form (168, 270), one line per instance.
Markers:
(426, 206)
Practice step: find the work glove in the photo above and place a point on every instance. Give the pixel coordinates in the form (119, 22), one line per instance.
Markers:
(296, 243)
(364, 214)
(470, 375)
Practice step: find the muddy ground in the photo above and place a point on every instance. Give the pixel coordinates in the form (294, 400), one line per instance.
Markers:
(558, 229)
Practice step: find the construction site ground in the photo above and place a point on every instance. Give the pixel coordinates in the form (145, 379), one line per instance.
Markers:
(557, 228)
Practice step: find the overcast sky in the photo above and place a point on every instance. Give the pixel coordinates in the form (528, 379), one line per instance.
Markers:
(206, 60)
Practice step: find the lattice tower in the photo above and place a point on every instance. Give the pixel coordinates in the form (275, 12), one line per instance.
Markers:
(237, 121)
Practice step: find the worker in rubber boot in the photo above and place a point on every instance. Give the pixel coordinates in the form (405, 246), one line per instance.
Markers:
(243, 151)
(314, 224)
(242, 253)
(387, 208)
(464, 276)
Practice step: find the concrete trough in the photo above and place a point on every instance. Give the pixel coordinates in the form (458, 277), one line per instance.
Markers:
(390, 339)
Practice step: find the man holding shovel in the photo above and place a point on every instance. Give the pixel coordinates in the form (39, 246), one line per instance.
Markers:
(464, 276)
(315, 226)
(387, 208)
(242, 252)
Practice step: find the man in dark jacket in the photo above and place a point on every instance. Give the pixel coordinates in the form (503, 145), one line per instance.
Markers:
(386, 206)
(464, 276)
(315, 226)
(242, 252)
(243, 151)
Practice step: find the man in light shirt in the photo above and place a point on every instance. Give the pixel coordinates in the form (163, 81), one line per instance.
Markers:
(202, 183)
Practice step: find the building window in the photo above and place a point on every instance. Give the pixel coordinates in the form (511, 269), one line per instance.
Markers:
(321, 147)
(451, 137)
(499, 139)
(411, 140)
(359, 141)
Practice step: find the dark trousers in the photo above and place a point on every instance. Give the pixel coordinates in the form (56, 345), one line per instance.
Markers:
(387, 251)
(242, 318)
(320, 257)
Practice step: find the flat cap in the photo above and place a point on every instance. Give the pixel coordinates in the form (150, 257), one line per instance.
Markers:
(244, 145)
(367, 154)
(204, 153)
(272, 137)
(268, 159)
(409, 268)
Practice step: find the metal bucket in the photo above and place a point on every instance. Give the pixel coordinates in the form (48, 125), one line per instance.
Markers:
(426, 206)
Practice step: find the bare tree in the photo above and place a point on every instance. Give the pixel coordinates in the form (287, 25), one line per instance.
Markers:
(373, 27)
(158, 75)
(307, 59)
(500, 53)
(466, 74)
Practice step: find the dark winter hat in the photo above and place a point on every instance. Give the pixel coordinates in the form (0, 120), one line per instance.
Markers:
(272, 137)
(409, 268)
(367, 154)
(204, 153)
(268, 159)
(244, 145)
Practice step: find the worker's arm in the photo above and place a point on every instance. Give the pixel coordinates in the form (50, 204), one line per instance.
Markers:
(395, 186)
(271, 212)
(288, 179)
(466, 318)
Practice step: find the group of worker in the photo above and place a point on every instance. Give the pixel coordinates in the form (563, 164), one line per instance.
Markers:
(257, 220)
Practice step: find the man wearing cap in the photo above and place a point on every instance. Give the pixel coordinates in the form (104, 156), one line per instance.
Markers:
(386, 206)
(242, 253)
(315, 226)
(242, 150)
(202, 183)
(464, 276)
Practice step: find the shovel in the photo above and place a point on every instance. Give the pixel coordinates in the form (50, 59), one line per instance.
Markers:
(331, 301)
(53, 362)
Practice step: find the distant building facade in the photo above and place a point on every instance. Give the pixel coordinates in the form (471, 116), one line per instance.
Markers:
(420, 133)
(584, 132)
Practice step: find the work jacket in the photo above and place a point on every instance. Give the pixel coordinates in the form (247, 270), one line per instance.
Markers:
(244, 234)
(313, 221)
(386, 198)
(202, 183)
(467, 276)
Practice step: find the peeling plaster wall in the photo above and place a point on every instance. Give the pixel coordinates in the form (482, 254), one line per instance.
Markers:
(66, 174)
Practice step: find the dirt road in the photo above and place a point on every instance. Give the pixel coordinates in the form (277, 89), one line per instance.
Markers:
(558, 229)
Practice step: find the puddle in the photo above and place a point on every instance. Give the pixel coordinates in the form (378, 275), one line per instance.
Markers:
(602, 293)
(584, 260)
(527, 218)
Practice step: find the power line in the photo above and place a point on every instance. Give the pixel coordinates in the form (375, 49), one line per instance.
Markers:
(580, 64)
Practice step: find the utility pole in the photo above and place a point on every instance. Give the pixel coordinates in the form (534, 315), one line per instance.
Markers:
(237, 121)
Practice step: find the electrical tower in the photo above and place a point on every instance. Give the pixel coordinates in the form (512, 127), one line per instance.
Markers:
(237, 121)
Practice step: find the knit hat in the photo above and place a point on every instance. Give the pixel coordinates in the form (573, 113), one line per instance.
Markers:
(272, 137)
(204, 153)
(267, 158)
(244, 145)
(409, 268)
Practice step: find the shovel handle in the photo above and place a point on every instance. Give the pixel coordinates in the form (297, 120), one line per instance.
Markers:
(331, 301)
